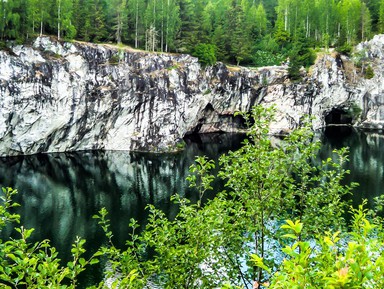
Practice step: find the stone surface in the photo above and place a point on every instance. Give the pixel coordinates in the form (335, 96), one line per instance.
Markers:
(57, 96)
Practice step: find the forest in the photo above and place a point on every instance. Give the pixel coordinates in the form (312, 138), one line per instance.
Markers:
(254, 32)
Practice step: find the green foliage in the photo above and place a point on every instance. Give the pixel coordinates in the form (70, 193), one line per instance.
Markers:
(301, 55)
(345, 49)
(234, 27)
(36, 265)
(266, 58)
(332, 260)
(369, 73)
(205, 53)
(207, 245)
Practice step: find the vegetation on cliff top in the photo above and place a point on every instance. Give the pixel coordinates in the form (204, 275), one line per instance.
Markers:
(261, 32)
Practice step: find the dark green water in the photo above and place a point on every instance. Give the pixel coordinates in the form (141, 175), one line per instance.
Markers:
(366, 159)
(60, 193)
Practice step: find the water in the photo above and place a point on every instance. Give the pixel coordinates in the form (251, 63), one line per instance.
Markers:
(60, 193)
(366, 159)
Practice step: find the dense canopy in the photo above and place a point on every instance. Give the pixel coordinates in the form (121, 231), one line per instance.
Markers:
(242, 31)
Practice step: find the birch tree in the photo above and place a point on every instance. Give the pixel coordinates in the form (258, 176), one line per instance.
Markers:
(120, 18)
(64, 10)
(350, 12)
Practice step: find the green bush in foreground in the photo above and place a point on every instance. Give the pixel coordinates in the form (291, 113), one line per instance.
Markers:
(233, 240)
(26, 265)
(206, 246)
(332, 260)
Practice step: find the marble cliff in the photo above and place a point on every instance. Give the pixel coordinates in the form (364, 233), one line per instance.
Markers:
(61, 96)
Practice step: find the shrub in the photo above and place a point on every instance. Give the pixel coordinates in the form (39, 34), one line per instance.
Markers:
(205, 245)
(369, 72)
(331, 260)
(345, 49)
(206, 53)
(36, 266)
(266, 58)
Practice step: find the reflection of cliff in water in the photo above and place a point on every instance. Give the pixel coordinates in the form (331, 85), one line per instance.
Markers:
(60, 193)
(366, 159)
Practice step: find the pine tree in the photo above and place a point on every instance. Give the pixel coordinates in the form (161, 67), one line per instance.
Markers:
(381, 17)
(300, 56)
(119, 16)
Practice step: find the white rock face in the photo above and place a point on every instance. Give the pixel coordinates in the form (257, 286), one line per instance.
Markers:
(73, 96)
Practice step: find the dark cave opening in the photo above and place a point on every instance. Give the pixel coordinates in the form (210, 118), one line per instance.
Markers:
(338, 116)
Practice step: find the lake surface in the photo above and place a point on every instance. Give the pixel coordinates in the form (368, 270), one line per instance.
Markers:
(366, 159)
(59, 193)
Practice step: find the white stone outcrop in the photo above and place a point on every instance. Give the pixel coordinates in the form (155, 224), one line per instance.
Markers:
(57, 96)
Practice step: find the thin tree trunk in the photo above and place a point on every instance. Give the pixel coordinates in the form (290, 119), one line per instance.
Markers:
(162, 25)
(167, 27)
(136, 24)
(154, 25)
(41, 26)
(58, 19)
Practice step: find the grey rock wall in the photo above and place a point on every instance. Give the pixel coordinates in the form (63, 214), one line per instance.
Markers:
(57, 96)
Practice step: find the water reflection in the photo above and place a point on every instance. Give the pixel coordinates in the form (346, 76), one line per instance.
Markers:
(59, 193)
(366, 159)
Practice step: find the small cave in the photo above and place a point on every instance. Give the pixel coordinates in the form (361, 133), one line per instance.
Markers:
(242, 123)
(209, 108)
(338, 123)
(338, 117)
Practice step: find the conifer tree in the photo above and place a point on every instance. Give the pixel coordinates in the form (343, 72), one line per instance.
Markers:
(300, 56)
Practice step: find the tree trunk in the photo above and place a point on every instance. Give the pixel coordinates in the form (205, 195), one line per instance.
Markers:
(58, 19)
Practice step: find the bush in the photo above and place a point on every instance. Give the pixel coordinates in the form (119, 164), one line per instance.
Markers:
(332, 260)
(369, 72)
(266, 58)
(204, 246)
(344, 49)
(206, 53)
(35, 266)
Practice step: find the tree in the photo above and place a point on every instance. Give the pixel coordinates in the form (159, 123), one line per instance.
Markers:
(151, 39)
(240, 40)
(119, 16)
(43, 9)
(350, 12)
(261, 19)
(381, 17)
(205, 53)
(10, 19)
(365, 22)
(65, 27)
(207, 243)
(301, 55)
(172, 24)
(135, 20)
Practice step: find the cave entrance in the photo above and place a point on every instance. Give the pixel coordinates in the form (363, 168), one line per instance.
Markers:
(338, 116)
